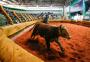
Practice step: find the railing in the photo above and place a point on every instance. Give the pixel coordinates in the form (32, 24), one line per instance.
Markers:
(13, 17)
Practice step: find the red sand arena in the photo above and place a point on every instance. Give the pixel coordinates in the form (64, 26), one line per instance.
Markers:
(77, 49)
(17, 18)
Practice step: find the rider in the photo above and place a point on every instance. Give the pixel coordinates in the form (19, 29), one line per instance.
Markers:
(45, 20)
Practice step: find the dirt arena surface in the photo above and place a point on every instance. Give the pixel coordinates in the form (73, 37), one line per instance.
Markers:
(77, 49)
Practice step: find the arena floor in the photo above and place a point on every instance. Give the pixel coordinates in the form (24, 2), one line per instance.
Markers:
(77, 49)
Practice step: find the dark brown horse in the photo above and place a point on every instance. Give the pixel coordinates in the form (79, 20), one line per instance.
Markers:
(50, 33)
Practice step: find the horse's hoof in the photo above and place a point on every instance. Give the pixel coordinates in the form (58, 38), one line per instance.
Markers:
(62, 54)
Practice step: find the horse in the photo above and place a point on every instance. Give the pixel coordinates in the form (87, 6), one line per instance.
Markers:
(50, 33)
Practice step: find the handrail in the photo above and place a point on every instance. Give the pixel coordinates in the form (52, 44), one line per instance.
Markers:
(11, 29)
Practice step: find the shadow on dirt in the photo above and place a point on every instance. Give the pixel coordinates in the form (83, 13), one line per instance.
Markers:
(41, 49)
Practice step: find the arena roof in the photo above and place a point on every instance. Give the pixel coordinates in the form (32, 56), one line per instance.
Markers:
(44, 2)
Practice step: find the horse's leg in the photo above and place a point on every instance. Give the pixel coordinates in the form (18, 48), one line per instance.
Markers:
(58, 42)
(34, 32)
(47, 44)
(33, 35)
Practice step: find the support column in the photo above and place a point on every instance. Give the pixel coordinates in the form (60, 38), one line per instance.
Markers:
(16, 16)
(69, 12)
(6, 15)
(83, 9)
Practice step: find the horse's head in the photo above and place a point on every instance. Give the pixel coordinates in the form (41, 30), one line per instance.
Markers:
(64, 32)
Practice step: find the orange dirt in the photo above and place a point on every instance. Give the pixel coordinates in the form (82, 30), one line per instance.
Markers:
(77, 49)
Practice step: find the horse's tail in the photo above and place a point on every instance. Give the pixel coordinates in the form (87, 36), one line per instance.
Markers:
(35, 30)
